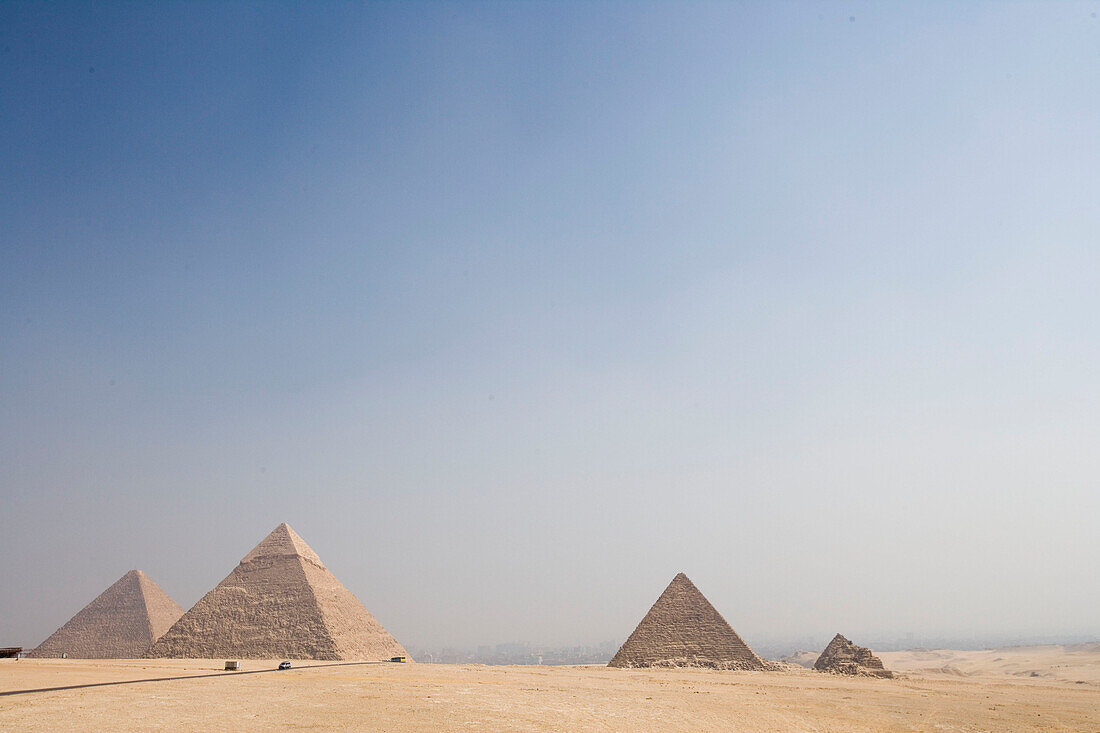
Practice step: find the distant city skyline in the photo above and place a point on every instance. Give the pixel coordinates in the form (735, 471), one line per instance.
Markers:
(514, 311)
(518, 652)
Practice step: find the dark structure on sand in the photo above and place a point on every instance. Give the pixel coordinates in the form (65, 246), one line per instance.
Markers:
(844, 657)
(682, 629)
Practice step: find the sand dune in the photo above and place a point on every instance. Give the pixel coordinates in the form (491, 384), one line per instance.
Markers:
(1077, 663)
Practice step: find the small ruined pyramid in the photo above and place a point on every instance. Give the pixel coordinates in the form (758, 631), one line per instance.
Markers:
(121, 623)
(682, 629)
(280, 602)
(844, 657)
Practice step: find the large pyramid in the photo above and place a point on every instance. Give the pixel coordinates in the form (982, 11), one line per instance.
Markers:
(844, 657)
(121, 623)
(682, 629)
(280, 602)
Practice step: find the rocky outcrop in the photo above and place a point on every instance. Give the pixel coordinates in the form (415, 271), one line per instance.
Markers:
(121, 623)
(844, 657)
(280, 602)
(682, 629)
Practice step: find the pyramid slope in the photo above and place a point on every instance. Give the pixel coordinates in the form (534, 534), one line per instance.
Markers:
(682, 629)
(841, 656)
(279, 602)
(121, 623)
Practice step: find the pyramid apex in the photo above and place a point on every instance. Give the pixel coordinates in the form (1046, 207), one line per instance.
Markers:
(134, 578)
(681, 580)
(143, 580)
(283, 542)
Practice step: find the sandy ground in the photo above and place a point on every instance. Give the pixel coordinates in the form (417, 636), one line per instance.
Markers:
(975, 693)
(1073, 663)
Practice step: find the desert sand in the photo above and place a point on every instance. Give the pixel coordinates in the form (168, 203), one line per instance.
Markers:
(963, 691)
(1074, 663)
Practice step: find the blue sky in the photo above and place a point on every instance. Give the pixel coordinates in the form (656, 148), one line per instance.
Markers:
(515, 310)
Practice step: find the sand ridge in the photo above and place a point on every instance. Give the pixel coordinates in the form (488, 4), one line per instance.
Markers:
(1072, 663)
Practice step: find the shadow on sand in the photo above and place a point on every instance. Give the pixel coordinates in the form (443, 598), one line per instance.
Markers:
(178, 677)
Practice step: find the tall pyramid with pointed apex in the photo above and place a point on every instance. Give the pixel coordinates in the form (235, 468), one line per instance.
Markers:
(121, 623)
(682, 629)
(280, 602)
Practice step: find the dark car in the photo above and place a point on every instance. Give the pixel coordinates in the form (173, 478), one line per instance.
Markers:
(284, 665)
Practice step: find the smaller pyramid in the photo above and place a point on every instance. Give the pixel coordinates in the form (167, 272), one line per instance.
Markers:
(844, 657)
(682, 629)
(121, 623)
(280, 602)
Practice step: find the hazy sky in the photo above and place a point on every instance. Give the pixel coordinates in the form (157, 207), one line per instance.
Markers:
(515, 310)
